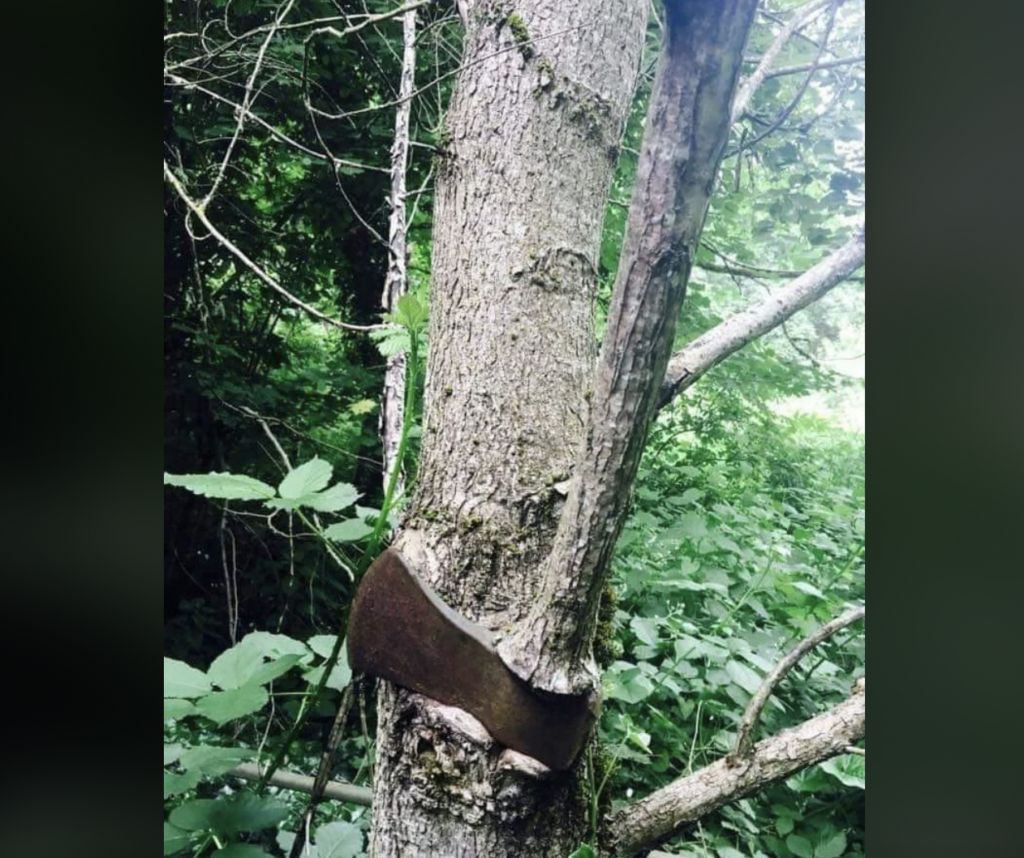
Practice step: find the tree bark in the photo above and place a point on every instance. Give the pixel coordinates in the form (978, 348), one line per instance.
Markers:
(711, 348)
(528, 153)
(392, 406)
(654, 819)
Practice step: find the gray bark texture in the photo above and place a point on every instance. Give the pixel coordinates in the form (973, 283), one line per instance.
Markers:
(531, 440)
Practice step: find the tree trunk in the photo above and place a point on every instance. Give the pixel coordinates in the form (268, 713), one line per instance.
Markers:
(528, 153)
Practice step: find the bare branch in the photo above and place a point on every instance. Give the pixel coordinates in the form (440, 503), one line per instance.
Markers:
(198, 211)
(831, 64)
(300, 783)
(711, 348)
(757, 702)
(758, 76)
(654, 819)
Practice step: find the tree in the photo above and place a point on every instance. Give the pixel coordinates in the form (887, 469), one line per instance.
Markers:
(532, 436)
(531, 440)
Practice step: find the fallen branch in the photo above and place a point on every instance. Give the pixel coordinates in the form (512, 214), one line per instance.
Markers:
(300, 783)
(652, 820)
(757, 702)
(711, 348)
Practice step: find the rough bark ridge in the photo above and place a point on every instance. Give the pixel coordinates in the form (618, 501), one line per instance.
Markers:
(687, 129)
(530, 145)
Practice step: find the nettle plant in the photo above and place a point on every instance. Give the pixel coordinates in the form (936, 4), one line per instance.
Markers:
(205, 715)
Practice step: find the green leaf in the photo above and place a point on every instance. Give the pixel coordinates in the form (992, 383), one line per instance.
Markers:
(784, 825)
(831, 848)
(692, 525)
(743, 676)
(234, 667)
(182, 680)
(338, 840)
(323, 645)
(208, 760)
(337, 497)
(273, 645)
(810, 589)
(310, 477)
(222, 486)
(584, 851)
(646, 629)
(849, 769)
(172, 752)
(224, 706)
(175, 709)
(349, 530)
(239, 812)
(175, 784)
(799, 846)
(340, 676)
(271, 671)
(242, 850)
(175, 840)
(363, 406)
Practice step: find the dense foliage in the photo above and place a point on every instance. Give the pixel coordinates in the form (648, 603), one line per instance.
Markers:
(747, 523)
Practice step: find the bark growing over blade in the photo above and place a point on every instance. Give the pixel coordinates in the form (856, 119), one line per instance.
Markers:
(687, 129)
(401, 631)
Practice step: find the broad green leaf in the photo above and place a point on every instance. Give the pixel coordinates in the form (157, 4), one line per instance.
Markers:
(241, 850)
(729, 852)
(799, 846)
(175, 840)
(208, 760)
(784, 825)
(646, 629)
(810, 589)
(274, 645)
(222, 486)
(175, 783)
(234, 667)
(172, 752)
(322, 645)
(339, 678)
(224, 706)
(338, 840)
(692, 526)
(831, 848)
(349, 530)
(307, 478)
(584, 851)
(239, 812)
(182, 680)
(278, 667)
(849, 769)
(337, 497)
(174, 709)
(743, 676)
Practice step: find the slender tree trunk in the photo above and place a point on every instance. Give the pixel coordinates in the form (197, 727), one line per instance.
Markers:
(393, 402)
(530, 145)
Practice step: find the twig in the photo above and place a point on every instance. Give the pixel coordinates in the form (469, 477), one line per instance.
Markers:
(198, 211)
(842, 61)
(300, 783)
(757, 702)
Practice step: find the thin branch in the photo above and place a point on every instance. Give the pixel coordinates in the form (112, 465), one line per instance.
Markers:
(830, 64)
(789, 108)
(652, 820)
(366, 22)
(711, 348)
(757, 702)
(246, 101)
(300, 783)
(198, 211)
(758, 76)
